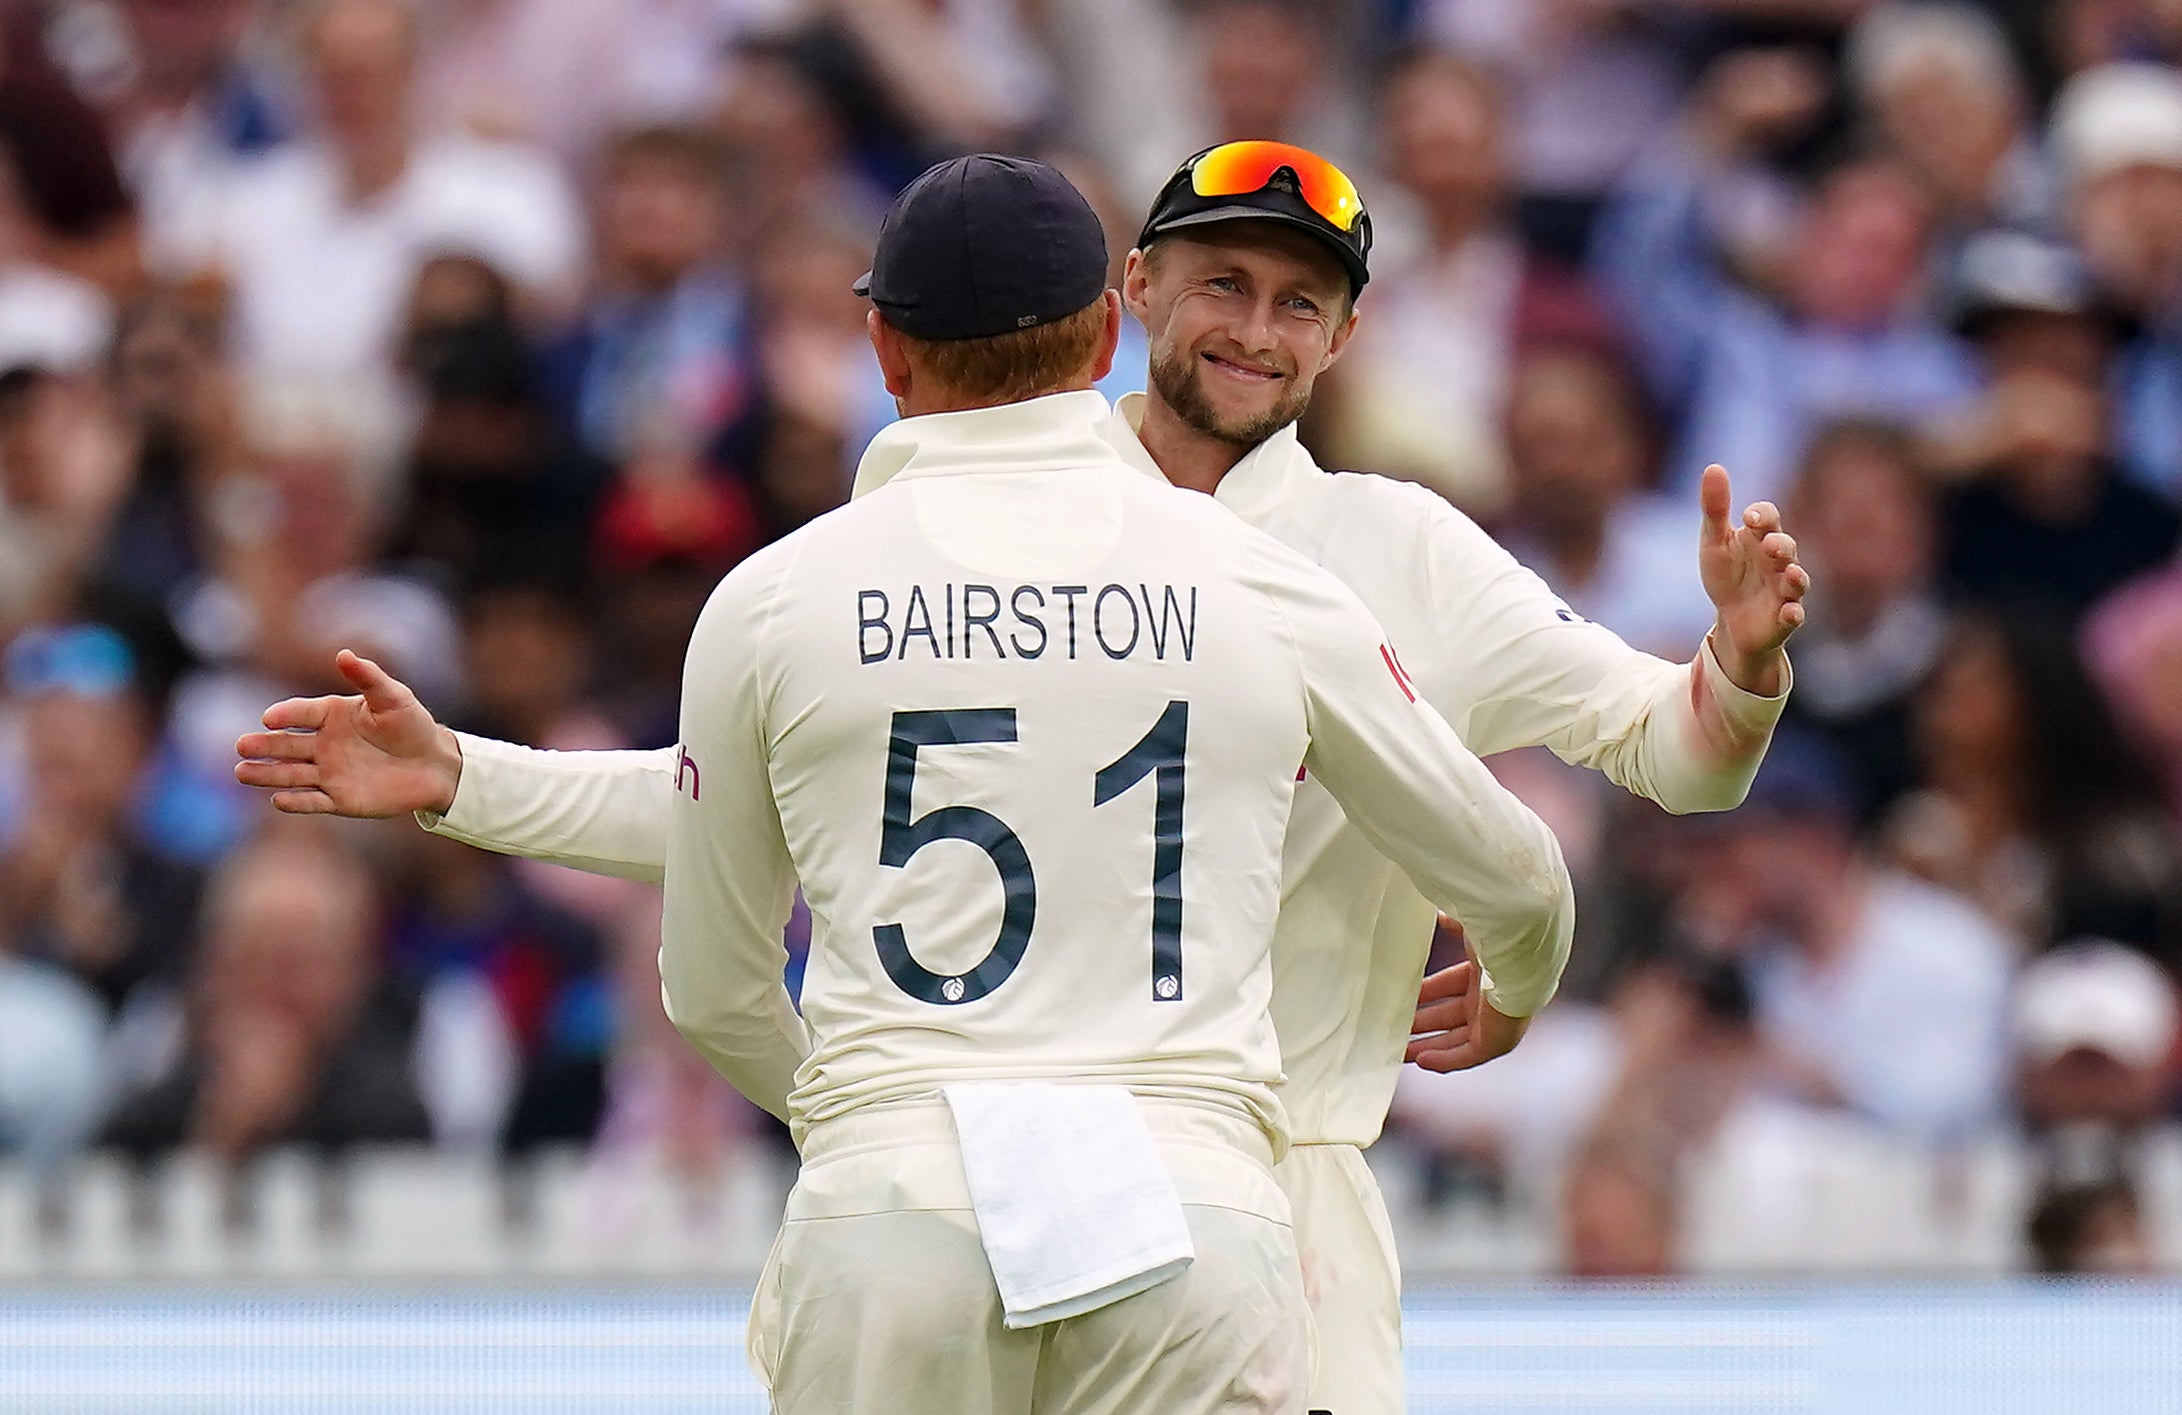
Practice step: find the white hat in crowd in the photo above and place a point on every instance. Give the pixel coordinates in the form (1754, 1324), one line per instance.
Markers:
(2099, 996)
(2116, 116)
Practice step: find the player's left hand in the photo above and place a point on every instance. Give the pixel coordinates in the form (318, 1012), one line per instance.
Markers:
(1752, 576)
(1455, 1027)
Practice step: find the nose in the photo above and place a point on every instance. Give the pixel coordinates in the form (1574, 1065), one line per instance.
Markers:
(1255, 332)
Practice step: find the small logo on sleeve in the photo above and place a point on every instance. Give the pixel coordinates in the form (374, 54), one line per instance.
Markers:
(685, 767)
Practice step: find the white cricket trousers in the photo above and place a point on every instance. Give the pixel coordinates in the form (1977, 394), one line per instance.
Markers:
(1351, 1277)
(877, 1298)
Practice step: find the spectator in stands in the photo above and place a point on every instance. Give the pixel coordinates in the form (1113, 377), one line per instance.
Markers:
(1834, 940)
(2094, 1229)
(2047, 518)
(517, 1006)
(1865, 520)
(192, 104)
(82, 218)
(564, 73)
(292, 1034)
(2032, 802)
(321, 239)
(1422, 391)
(957, 74)
(1588, 90)
(1754, 373)
(822, 406)
(788, 143)
(50, 317)
(169, 390)
(51, 1032)
(492, 478)
(2133, 645)
(1581, 450)
(87, 880)
(293, 574)
(2095, 1033)
(2117, 132)
(663, 352)
(64, 468)
(1621, 1210)
(1938, 82)
(1270, 69)
(529, 661)
(659, 557)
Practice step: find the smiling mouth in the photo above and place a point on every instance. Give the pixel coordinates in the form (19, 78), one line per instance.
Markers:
(1243, 373)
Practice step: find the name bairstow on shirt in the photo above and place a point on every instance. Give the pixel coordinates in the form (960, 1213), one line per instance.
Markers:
(974, 621)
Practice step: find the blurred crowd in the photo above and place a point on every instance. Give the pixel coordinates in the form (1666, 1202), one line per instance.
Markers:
(483, 336)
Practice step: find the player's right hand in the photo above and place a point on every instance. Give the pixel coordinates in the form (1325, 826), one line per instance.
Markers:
(376, 753)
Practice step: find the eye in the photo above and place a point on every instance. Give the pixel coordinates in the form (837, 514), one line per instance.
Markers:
(1303, 305)
(1225, 284)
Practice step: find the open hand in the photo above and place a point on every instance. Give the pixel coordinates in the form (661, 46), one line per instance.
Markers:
(376, 753)
(1755, 583)
(1455, 1027)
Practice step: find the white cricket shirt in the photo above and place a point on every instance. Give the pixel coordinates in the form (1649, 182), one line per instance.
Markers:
(1026, 726)
(1483, 639)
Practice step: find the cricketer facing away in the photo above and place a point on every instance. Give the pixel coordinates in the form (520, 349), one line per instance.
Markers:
(1246, 278)
(1026, 725)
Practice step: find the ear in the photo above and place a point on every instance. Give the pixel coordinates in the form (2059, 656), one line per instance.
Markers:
(1110, 341)
(893, 359)
(1136, 286)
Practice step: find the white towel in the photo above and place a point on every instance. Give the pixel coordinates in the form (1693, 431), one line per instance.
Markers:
(1074, 1204)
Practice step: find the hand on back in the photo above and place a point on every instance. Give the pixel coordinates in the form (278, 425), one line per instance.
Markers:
(1455, 1027)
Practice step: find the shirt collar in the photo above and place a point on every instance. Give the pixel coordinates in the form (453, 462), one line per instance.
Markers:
(1058, 430)
(1267, 475)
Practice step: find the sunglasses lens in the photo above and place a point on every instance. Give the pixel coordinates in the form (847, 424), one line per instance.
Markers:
(1241, 168)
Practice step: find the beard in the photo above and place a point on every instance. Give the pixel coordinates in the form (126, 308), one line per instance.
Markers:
(1178, 381)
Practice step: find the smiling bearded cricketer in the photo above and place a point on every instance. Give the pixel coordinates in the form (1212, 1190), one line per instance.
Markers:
(1246, 277)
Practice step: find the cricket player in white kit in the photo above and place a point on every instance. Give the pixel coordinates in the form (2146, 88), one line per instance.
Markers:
(1025, 725)
(1481, 639)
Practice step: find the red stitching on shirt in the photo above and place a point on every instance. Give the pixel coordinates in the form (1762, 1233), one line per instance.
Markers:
(1393, 666)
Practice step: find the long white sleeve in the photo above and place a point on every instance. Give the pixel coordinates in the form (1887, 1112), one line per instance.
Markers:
(730, 882)
(1426, 802)
(1532, 673)
(605, 812)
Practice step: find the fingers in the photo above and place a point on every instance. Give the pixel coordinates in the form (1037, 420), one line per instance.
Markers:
(1762, 517)
(1443, 1057)
(278, 775)
(306, 713)
(382, 691)
(1714, 497)
(1437, 1044)
(1792, 615)
(1441, 1016)
(1448, 982)
(303, 803)
(277, 746)
(1780, 548)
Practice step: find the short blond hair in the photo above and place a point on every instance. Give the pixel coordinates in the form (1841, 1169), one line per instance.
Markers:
(1022, 363)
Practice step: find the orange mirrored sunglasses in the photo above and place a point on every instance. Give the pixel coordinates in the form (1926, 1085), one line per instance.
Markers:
(1240, 168)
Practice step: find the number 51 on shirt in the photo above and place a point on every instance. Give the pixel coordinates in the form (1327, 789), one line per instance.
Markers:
(1160, 754)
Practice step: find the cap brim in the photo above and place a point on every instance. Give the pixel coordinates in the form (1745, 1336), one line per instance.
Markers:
(862, 286)
(1358, 272)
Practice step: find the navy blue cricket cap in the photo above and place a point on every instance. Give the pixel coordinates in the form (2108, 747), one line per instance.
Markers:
(985, 245)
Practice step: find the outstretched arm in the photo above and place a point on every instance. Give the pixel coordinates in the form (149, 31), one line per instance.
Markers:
(1688, 736)
(379, 752)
